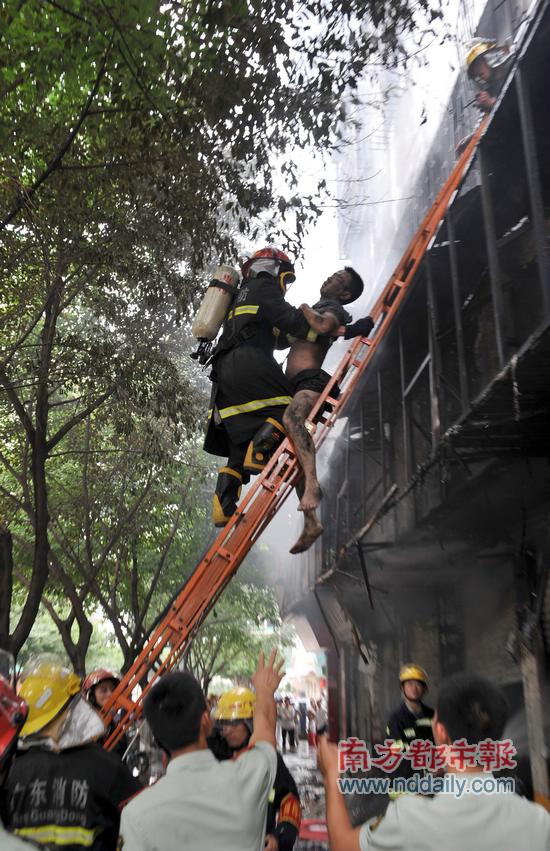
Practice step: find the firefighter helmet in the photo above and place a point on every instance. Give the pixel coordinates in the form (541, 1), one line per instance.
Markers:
(273, 261)
(236, 705)
(13, 712)
(47, 687)
(494, 54)
(95, 678)
(412, 671)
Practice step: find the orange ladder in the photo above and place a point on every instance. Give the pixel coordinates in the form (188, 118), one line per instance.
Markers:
(172, 636)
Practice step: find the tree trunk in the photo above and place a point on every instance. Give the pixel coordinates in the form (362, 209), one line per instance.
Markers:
(41, 544)
(6, 585)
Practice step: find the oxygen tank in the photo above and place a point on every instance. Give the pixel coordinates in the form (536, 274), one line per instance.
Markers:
(215, 304)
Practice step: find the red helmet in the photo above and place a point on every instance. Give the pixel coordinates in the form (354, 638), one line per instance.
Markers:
(281, 264)
(13, 712)
(96, 677)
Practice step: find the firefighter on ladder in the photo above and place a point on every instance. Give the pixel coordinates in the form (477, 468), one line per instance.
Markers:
(250, 391)
(234, 715)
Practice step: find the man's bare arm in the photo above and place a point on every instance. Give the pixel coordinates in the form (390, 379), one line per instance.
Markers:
(266, 679)
(322, 323)
(342, 835)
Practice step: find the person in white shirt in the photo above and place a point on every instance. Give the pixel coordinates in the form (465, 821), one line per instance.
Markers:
(469, 708)
(202, 804)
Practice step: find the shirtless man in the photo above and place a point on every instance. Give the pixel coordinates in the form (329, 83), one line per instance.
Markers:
(328, 319)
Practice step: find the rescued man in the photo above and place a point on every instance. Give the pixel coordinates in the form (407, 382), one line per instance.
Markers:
(328, 320)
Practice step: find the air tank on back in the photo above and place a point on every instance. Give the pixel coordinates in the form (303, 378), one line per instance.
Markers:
(214, 308)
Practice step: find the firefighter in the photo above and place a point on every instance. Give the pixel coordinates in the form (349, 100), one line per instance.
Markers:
(13, 711)
(412, 719)
(97, 688)
(234, 716)
(487, 65)
(64, 790)
(250, 391)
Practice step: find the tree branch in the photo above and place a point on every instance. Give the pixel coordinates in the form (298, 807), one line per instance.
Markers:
(55, 162)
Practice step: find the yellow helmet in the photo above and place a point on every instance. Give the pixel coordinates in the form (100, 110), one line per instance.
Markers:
(478, 47)
(47, 687)
(411, 671)
(236, 705)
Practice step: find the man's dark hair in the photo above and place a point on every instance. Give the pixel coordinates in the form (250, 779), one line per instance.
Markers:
(173, 709)
(355, 285)
(471, 708)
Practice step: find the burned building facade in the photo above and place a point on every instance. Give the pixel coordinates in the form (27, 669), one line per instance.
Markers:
(437, 480)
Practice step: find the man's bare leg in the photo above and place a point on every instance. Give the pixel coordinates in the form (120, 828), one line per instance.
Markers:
(294, 419)
(312, 526)
(309, 490)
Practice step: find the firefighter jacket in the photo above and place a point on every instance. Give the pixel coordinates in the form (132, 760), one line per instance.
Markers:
(68, 799)
(284, 811)
(248, 384)
(404, 726)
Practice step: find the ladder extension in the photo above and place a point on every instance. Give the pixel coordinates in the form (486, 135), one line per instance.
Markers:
(171, 637)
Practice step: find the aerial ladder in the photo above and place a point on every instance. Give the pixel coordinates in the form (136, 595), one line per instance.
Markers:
(173, 634)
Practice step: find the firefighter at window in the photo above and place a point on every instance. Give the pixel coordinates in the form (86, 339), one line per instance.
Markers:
(64, 790)
(250, 391)
(234, 715)
(487, 65)
(412, 719)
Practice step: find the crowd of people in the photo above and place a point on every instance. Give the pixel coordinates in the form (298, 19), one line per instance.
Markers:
(225, 784)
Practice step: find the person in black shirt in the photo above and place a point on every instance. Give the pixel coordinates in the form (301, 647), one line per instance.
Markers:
(412, 719)
(64, 790)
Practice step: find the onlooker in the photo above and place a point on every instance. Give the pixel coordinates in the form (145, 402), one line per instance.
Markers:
(235, 725)
(321, 717)
(469, 708)
(64, 789)
(202, 804)
(287, 716)
(312, 728)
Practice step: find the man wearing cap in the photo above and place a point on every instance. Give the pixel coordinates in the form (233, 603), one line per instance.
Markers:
(202, 804)
(412, 719)
(235, 723)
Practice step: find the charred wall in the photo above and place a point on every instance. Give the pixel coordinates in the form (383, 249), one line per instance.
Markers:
(437, 485)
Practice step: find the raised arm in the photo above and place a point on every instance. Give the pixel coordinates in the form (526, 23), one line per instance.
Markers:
(266, 679)
(342, 835)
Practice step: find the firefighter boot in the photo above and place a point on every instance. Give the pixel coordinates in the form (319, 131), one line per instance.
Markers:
(262, 446)
(226, 495)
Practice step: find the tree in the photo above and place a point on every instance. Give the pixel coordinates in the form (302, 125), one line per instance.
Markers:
(245, 620)
(134, 140)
